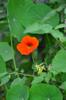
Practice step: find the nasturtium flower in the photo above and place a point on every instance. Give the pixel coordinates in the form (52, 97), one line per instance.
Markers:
(27, 45)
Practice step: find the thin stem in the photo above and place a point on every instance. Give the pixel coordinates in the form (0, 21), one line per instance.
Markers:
(28, 75)
(13, 53)
(24, 74)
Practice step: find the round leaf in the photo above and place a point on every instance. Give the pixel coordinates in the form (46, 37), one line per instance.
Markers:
(45, 92)
(5, 51)
(59, 62)
(17, 91)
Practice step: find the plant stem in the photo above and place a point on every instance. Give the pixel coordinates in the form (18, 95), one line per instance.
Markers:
(13, 53)
(28, 75)
(24, 74)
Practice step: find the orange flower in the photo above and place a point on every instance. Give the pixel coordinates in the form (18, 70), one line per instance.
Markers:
(27, 45)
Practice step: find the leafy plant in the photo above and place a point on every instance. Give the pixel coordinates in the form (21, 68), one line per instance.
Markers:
(33, 50)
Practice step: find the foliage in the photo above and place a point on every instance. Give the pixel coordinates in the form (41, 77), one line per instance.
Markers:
(41, 73)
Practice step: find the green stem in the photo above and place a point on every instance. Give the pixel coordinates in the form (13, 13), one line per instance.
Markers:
(24, 74)
(13, 53)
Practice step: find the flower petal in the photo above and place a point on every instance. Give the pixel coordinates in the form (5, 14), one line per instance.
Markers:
(24, 47)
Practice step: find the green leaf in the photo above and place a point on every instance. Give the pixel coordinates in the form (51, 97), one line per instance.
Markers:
(5, 51)
(59, 62)
(60, 26)
(4, 79)
(18, 91)
(45, 92)
(18, 81)
(26, 14)
(38, 28)
(58, 35)
(48, 76)
(38, 79)
(2, 66)
(63, 85)
(43, 76)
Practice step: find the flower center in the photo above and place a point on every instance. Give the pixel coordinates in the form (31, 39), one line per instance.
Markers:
(29, 44)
